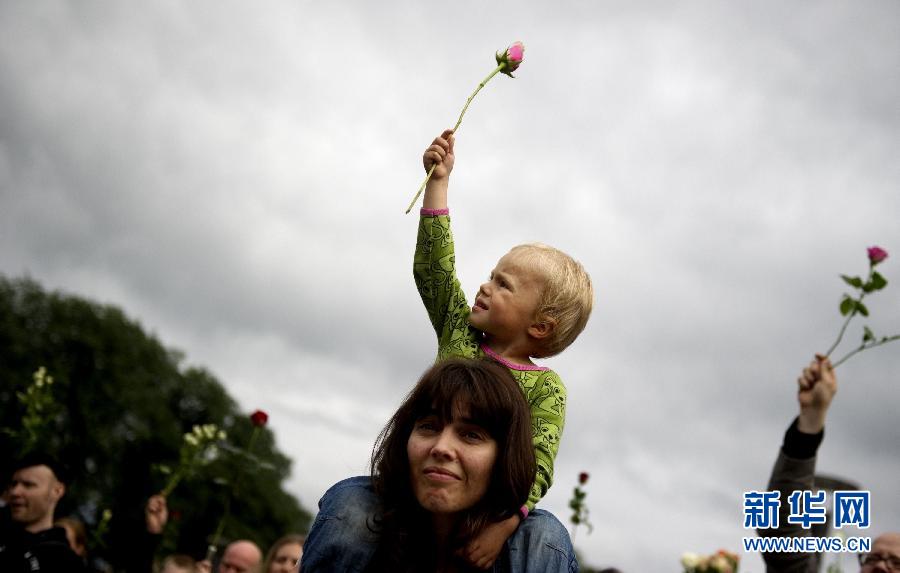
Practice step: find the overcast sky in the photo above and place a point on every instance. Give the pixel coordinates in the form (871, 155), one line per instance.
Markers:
(233, 175)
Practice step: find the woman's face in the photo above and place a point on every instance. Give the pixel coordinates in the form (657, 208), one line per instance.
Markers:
(450, 464)
(286, 558)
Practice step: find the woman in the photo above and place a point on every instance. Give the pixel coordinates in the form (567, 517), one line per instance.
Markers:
(284, 554)
(76, 534)
(455, 456)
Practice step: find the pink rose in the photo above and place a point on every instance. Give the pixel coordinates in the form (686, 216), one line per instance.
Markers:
(512, 57)
(507, 62)
(876, 255)
(259, 418)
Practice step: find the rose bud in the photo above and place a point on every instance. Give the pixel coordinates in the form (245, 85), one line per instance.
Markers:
(512, 57)
(259, 418)
(876, 255)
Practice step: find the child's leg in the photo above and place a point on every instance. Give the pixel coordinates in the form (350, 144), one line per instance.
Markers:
(340, 539)
(541, 543)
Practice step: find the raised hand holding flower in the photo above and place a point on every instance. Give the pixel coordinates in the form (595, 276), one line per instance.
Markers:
(851, 306)
(507, 62)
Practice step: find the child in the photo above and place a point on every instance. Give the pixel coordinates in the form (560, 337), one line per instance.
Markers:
(536, 302)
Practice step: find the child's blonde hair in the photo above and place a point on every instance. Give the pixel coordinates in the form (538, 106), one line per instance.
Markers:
(567, 297)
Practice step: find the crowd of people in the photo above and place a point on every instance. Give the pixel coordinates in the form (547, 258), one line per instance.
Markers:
(456, 456)
(458, 470)
(31, 540)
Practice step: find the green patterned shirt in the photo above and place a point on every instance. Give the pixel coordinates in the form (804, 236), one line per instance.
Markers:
(435, 274)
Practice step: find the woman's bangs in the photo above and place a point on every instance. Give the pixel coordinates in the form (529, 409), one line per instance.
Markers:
(452, 399)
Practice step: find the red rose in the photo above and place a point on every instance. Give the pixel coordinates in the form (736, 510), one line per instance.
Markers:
(259, 418)
(876, 255)
(583, 477)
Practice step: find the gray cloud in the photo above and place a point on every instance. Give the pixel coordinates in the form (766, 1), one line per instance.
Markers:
(234, 177)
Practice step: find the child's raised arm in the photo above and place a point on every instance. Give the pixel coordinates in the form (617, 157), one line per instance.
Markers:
(440, 154)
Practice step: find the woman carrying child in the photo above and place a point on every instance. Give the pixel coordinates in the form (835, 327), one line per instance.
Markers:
(535, 304)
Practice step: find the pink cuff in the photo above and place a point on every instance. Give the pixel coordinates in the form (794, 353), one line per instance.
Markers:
(512, 365)
(434, 212)
(523, 511)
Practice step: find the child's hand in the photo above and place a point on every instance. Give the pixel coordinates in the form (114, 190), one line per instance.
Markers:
(482, 551)
(440, 154)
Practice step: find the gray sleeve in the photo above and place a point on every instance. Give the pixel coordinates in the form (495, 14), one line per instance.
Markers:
(789, 475)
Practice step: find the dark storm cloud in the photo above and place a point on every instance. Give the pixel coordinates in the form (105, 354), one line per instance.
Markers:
(234, 177)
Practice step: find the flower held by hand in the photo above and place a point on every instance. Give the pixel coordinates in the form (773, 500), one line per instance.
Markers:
(507, 62)
(198, 448)
(876, 255)
(851, 306)
(511, 59)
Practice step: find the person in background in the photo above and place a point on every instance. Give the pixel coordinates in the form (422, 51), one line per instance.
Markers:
(76, 534)
(178, 563)
(284, 555)
(795, 468)
(241, 556)
(28, 539)
(145, 544)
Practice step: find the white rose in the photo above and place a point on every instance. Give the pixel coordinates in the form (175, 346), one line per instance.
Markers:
(720, 564)
(690, 560)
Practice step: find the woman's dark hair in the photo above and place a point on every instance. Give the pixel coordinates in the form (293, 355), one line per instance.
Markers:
(492, 399)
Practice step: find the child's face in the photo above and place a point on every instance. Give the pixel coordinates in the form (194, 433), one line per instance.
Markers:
(506, 305)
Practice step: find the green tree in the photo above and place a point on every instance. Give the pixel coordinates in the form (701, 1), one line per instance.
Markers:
(126, 401)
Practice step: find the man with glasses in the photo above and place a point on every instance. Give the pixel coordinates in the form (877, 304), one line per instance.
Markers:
(885, 555)
(794, 470)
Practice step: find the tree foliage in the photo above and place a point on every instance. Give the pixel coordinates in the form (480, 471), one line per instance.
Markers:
(126, 401)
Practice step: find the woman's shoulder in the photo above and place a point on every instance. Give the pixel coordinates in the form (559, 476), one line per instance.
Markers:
(355, 481)
(352, 483)
(354, 492)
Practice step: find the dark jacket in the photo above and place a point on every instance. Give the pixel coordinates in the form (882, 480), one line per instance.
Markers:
(47, 550)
